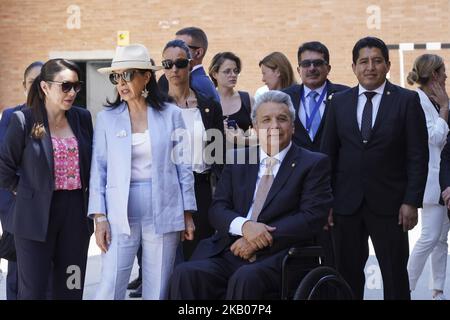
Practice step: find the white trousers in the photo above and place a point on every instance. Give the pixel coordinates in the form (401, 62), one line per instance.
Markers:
(433, 240)
(158, 252)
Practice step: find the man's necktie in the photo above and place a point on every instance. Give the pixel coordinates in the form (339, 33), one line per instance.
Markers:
(263, 188)
(315, 122)
(366, 120)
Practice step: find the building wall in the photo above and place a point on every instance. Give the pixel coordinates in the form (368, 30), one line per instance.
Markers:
(32, 29)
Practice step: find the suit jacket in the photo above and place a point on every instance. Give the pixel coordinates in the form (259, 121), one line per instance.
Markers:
(437, 137)
(201, 83)
(301, 137)
(212, 118)
(33, 158)
(172, 181)
(6, 196)
(391, 168)
(297, 204)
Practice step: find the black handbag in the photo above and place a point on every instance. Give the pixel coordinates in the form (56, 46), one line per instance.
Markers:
(7, 247)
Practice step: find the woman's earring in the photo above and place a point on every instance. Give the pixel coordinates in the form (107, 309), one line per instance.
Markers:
(144, 93)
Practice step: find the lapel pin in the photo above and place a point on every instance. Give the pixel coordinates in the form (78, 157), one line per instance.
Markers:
(121, 134)
(331, 96)
(293, 164)
(388, 92)
(207, 110)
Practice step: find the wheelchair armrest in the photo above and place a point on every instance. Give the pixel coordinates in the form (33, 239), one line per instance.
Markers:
(310, 251)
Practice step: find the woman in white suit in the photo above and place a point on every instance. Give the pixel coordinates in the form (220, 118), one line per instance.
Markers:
(140, 191)
(429, 72)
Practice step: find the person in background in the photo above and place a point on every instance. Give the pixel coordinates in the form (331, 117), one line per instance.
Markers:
(49, 143)
(224, 70)
(429, 73)
(139, 194)
(200, 115)
(7, 197)
(277, 73)
(197, 42)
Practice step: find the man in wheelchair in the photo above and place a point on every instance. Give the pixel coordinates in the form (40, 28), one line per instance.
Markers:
(261, 209)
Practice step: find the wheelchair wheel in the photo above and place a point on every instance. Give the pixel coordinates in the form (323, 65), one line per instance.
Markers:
(323, 283)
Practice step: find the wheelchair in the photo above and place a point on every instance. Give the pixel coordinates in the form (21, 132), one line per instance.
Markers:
(305, 265)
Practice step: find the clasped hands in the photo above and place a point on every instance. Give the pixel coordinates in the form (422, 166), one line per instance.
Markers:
(256, 236)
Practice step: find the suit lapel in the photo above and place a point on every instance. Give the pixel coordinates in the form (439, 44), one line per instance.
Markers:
(299, 125)
(122, 136)
(46, 143)
(386, 101)
(286, 168)
(251, 170)
(74, 123)
(353, 114)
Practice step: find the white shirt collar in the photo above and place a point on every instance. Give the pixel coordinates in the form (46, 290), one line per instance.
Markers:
(197, 67)
(379, 90)
(318, 90)
(279, 156)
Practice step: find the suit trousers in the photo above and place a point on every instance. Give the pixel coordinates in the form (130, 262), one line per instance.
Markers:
(158, 251)
(433, 240)
(226, 277)
(65, 249)
(12, 281)
(391, 248)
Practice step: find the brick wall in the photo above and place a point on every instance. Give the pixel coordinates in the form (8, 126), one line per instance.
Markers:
(33, 28)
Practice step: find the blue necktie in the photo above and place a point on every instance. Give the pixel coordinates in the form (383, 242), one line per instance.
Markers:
(316, 120)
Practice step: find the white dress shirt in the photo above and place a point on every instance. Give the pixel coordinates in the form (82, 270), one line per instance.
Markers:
(375, 102)
(236, 224)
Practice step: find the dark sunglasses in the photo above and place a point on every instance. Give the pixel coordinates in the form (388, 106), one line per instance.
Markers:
(127, 76)
(179, 63)
(66, 86)
(315, 63)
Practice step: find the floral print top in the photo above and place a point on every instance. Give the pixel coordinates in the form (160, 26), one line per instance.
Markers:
(66, 163)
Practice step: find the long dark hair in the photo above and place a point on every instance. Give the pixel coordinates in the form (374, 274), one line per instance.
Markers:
(36, 96)
(156, 98)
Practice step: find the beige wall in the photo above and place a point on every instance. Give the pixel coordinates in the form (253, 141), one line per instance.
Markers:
(32, 29)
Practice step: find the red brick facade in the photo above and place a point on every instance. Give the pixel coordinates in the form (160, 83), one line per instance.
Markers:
(31, 29)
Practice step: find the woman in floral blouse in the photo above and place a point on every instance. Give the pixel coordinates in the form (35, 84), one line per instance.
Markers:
(45, 159)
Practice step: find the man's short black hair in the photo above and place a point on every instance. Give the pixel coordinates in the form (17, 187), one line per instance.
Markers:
(370, 42)
(197, 34)
(315, 46)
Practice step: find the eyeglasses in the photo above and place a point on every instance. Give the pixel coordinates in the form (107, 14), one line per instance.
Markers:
(229, 71)
(66, 86)
(179, 63)
(127, 76)
(315, 63)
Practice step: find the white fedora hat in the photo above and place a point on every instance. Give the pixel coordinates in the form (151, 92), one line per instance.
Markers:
(133, 56)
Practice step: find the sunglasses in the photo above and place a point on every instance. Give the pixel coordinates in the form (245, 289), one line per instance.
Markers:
(179, 63)
(126, 76)
(315, 63)
(66, 86)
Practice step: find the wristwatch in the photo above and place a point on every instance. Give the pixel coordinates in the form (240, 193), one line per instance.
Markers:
(100, 219)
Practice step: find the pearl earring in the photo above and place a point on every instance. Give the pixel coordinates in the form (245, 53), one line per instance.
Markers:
(144, 93)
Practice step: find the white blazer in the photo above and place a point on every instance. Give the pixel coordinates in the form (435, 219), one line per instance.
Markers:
(172, 184)
(437, 136)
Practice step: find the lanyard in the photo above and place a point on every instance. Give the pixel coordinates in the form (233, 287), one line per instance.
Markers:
(309, 119)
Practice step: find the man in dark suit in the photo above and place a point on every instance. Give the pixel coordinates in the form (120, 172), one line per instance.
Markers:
(310, 98)
(310, 101)
(196, 40)
(277, 198)
(377, 140)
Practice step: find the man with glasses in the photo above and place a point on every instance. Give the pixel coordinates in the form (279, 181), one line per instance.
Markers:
(310, 98)
(310, 102)
(196, 40)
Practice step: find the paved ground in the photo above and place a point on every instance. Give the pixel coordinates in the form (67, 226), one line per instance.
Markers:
(373, 290)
